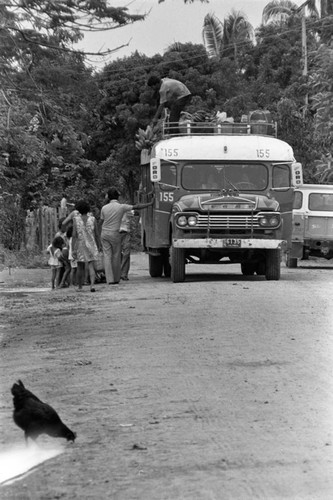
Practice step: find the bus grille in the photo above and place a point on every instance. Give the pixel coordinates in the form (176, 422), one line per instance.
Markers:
(220, 221)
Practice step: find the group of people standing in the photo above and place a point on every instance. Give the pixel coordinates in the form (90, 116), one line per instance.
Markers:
(80, 247)
(80, 240)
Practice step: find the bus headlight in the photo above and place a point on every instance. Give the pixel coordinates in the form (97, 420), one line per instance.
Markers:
(182, 220)
(192, 220)
(263, 221)
(186, 220)
(274, 221)
(269, 220)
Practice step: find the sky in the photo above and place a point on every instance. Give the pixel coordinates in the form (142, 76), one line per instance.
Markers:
(166, 23)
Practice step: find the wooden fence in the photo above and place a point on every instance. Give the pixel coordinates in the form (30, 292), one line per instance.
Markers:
(40, 227)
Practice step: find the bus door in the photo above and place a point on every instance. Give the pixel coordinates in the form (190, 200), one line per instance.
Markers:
(164, 198)
(283, 192)
(145, 193)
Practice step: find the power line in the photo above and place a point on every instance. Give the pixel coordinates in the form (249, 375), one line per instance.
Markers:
(149, 66)
(199, 56)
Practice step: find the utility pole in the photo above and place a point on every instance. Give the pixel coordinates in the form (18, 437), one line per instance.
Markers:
(304, 48)
(305, 60)
(301, 10)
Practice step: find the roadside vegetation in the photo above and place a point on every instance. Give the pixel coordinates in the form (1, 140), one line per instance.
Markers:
(68, 129)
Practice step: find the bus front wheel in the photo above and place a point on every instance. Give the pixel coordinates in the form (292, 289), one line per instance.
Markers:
(155, 266)
(273, 264)
(248, 268)
(177, 265)
(166, 263)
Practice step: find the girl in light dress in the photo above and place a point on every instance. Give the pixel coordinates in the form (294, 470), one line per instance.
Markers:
(73, 262)
(85, 243)
(55, 259)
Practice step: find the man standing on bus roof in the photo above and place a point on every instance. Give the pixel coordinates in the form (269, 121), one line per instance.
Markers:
(174, 95)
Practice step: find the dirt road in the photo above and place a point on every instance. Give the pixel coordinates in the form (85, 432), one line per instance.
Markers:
(217, 388)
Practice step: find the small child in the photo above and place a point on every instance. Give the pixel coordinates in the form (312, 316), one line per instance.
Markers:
(73, 262)
(54, 250)
(63, 278)
(64, 259)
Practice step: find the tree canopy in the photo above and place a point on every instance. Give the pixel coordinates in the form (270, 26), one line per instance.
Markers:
(30, 25)
(67, 129)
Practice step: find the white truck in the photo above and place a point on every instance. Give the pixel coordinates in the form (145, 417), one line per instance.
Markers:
(312, 229)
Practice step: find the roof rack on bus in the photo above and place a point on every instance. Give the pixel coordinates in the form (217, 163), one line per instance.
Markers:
(171, 129)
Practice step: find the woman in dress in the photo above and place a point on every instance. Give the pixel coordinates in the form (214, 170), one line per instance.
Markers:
(85, 243)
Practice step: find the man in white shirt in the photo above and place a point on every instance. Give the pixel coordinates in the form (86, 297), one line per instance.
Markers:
(111, 216)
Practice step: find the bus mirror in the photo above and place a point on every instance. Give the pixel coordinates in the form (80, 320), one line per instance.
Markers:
(296, 175)
(155, 169)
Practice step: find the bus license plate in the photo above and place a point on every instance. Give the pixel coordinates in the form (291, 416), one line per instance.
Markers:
(232, 243)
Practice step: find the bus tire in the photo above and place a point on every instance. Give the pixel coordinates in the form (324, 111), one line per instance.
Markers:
(155, 266)
(177, 265)
(248, 268)
(273, 264)
(291, 262)
(166, 263)
(261, 268)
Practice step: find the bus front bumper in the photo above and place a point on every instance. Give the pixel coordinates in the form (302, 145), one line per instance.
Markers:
(225, 243)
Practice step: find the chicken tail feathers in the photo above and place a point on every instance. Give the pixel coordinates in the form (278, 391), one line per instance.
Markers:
(17, 387)
(20, 394)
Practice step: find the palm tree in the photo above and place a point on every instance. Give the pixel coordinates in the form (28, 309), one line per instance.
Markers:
(282, 10)
(326, 8)
(237, 30)
(218, 36)
(212, 34)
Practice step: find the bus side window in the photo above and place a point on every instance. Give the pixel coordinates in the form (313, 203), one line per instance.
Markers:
(281, 176)
(169, 176)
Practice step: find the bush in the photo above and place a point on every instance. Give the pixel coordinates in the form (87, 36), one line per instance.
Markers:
(12, 219)
(22, 258)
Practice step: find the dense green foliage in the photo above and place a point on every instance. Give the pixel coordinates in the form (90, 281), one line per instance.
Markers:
(67, 129)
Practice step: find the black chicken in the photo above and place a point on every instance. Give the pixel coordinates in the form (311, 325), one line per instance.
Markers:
(36, 417)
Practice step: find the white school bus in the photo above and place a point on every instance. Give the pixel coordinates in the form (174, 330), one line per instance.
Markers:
(218, 198)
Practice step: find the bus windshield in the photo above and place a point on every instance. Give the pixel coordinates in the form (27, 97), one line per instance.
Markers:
(245, 177)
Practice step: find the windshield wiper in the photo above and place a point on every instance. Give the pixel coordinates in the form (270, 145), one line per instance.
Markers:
(225, 178)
